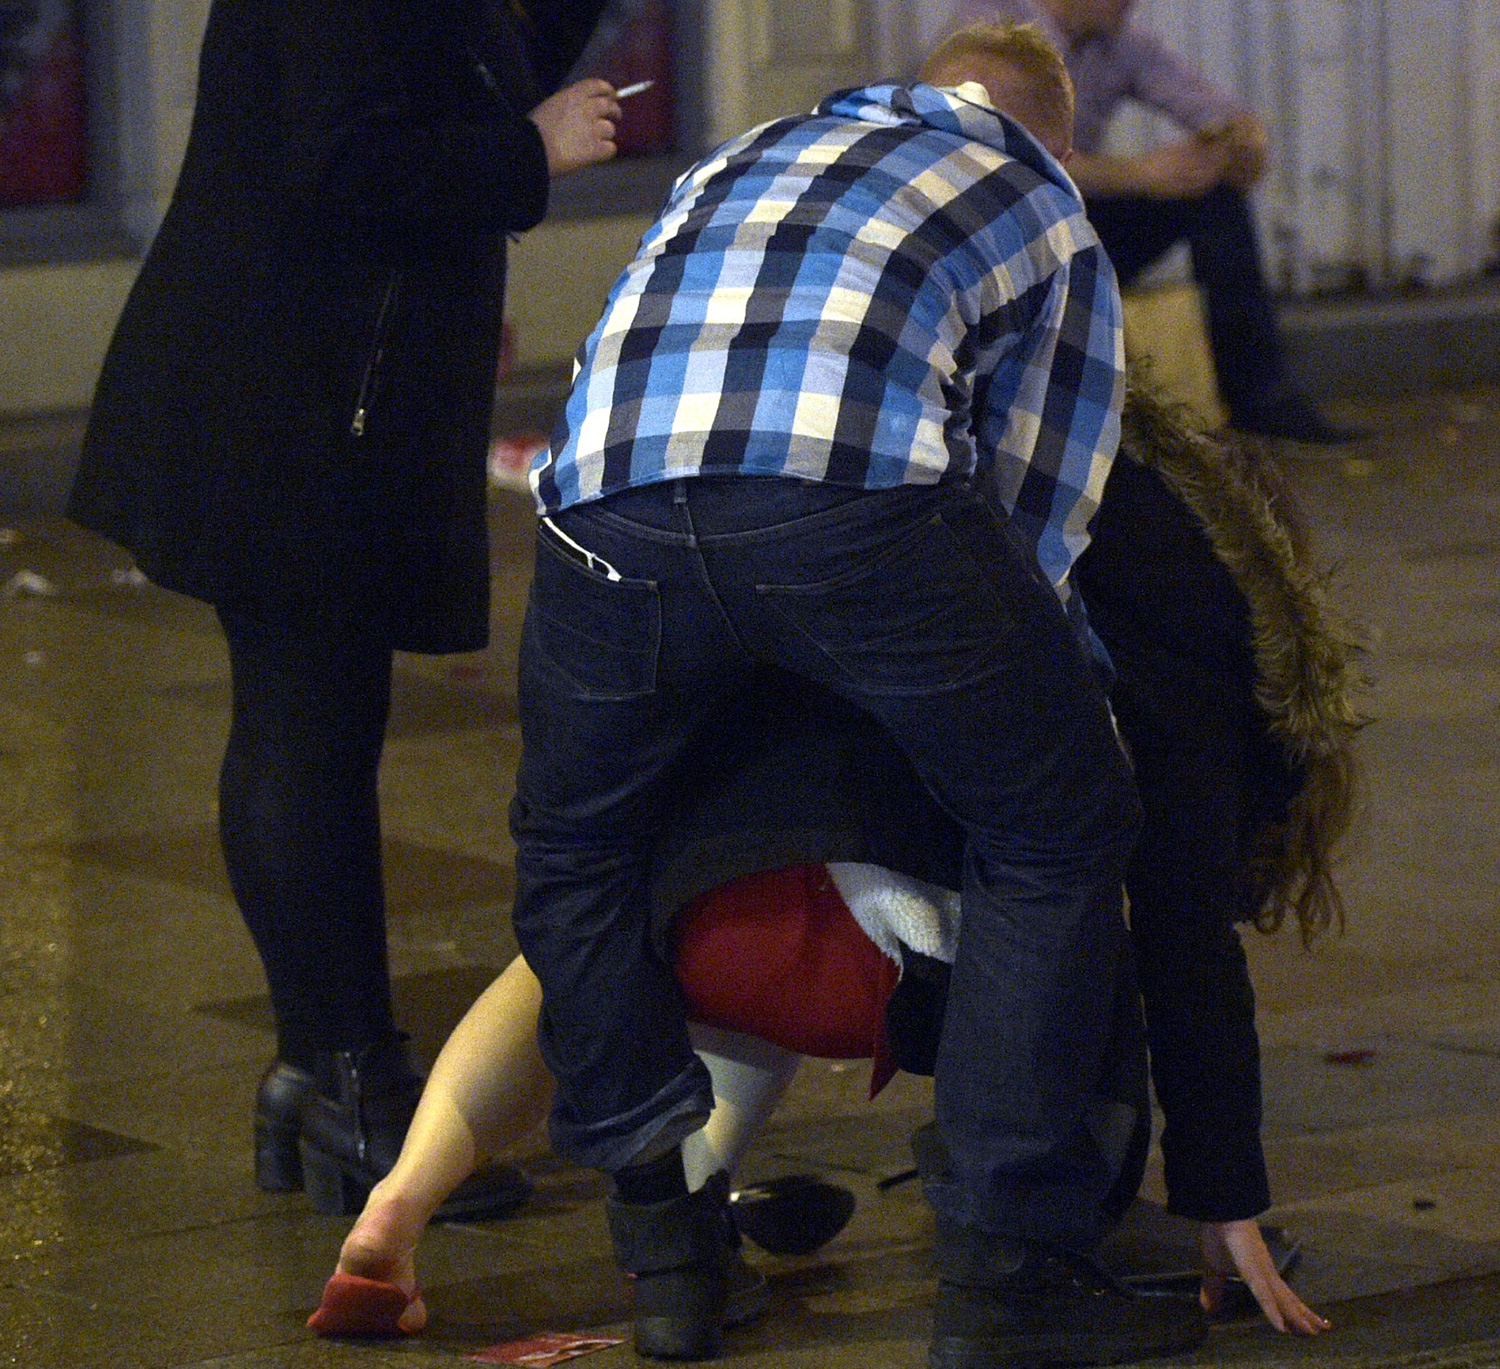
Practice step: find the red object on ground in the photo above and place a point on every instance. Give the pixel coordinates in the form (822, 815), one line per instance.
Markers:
(551, 1347)
(780, 956)
(356, 1306)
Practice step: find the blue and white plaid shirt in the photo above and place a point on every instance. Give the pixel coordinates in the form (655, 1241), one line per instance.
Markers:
(899, 288)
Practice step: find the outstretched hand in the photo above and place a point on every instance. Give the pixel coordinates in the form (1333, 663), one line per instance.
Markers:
(577, 125)
(1239, 1248)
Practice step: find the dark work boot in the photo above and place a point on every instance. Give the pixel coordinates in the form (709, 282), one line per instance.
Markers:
(354, 1123)
(679, 1254)
(1004, 1305)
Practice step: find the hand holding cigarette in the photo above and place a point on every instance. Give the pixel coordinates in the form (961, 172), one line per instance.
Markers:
(577, 125)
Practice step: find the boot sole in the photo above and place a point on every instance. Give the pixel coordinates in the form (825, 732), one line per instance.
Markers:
(668, 1338)
(1059, 1350)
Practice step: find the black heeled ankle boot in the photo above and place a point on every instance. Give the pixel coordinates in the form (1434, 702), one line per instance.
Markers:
(679, 1252)
(794, 1214)
(352, 1127)
(278, 1120)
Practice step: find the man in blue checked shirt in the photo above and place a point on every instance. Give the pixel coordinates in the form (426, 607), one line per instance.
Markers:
(847, 413)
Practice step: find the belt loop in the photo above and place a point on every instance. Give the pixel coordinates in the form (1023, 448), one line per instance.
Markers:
(680, 501)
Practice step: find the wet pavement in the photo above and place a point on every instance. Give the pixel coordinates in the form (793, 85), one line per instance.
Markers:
(133, 1022)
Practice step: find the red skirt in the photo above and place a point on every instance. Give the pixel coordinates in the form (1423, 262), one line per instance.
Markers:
(778, 955)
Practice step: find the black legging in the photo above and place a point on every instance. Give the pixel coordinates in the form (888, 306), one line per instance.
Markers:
(300, 824)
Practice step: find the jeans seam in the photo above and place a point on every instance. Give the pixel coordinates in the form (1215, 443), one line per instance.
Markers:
(700, 567)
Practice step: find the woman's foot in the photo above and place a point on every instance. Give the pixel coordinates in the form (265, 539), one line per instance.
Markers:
(374, 1290)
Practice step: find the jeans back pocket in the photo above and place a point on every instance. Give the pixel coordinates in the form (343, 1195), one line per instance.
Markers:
(601, 636)
(917, 617)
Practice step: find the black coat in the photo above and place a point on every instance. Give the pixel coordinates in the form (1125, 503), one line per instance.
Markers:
(294, 410)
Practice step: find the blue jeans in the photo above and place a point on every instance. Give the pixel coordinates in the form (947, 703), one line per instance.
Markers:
(916, 605)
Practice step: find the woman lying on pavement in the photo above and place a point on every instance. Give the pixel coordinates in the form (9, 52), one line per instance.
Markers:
(802, 890)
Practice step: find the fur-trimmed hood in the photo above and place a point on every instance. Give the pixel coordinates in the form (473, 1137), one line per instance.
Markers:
(1305, 655)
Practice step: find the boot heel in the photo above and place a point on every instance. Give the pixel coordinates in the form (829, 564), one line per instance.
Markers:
(679, 1315)
(278, 1163)
(278, 1121)
(678, 1251)
(332, 1192)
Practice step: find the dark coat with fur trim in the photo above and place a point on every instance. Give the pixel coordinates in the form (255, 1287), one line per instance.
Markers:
(1235, 691)
(294, 410)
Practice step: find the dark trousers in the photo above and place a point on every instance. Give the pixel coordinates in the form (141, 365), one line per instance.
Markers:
(1220, 234)
(300, 824)
(917, 606)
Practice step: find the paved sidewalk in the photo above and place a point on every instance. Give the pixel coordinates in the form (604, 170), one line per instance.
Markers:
(133, 1023)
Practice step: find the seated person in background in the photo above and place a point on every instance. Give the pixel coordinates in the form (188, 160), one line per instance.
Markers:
(1193, 190)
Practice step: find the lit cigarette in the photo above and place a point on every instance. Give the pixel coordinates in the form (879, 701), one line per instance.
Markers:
(634, 89)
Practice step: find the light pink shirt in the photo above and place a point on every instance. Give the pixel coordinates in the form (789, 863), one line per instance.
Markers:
(1127, 64)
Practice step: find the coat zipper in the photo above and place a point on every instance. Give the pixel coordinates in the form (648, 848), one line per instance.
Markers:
(377, 352)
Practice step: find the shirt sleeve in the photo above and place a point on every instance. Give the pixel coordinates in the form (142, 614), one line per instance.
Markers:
(1063, 421)
(1167, 82)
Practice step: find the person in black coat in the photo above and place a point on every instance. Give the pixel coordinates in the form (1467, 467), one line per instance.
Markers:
(291, 424)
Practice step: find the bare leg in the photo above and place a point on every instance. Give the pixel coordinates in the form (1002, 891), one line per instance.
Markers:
(488, 1090)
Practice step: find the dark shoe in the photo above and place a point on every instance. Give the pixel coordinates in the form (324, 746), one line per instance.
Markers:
(1004, 1306)
(352, 1127)
(1291, 417)
(794, 1214)
(747, 1295)
(680, 1256)
(278, 1119)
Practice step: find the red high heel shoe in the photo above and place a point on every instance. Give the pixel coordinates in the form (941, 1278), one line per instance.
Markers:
(356, 1306)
